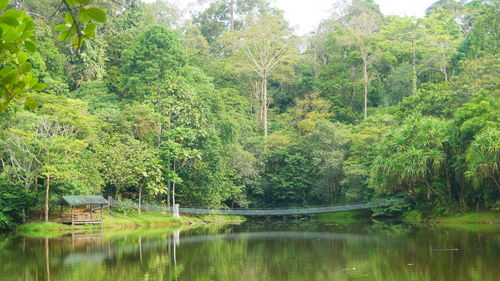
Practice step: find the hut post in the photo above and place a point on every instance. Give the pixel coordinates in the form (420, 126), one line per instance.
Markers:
(61, 214)
(90, 207)
(72, 215)
(102, 217)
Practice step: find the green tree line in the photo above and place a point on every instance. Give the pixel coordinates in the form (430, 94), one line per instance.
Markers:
(228, 107)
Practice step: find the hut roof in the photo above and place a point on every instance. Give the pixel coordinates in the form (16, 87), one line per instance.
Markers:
(74, 200)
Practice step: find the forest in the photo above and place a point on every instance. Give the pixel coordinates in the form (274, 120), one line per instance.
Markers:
(227, 107)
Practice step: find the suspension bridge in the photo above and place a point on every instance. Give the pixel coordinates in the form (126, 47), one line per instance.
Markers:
(267, 212)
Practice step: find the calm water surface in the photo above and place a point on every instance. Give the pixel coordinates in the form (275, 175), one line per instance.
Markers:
(272, 251)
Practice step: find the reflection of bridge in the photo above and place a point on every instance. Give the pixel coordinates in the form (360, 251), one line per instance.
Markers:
(269, 212)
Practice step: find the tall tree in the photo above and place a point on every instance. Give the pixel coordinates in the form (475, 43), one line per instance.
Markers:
(261, 48)
(153, 59)
(128, 162)
(402, 37)
(222, 15)
(53, 142)
(441, 39)
(363, 22)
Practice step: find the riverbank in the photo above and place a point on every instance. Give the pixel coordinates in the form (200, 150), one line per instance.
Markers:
(478, 221)
(486, 217)
(122, 221)
(477, 217)
(415, 217)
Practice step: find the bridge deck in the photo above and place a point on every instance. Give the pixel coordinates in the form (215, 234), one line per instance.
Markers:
(271, 212)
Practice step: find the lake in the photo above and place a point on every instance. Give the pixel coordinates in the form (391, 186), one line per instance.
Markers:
(262, 250)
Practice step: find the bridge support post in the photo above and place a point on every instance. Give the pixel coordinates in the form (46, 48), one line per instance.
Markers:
(175, 211)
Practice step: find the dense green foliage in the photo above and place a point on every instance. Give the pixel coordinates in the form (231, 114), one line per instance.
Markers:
(230, 109)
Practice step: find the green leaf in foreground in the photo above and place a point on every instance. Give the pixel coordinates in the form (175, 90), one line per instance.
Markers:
(31, 103)
(3, 4)
(96, 14)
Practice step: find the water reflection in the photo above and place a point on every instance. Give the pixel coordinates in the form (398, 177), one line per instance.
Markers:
(305, 251)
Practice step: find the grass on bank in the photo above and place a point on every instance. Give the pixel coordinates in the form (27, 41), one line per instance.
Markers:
(482, 217)
(142, 219)
(478, 217)
(43, 227)
(472, 227)
(122, 221)
(481, 222)
(414, 216)
(163, 219)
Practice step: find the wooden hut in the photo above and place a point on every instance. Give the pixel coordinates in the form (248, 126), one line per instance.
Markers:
(84, 209)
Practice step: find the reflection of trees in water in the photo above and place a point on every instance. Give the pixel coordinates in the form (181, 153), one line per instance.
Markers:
(429, 255)
(323, 256)
(391, 229)
(388, 252)
(88, 257)
(278, 255)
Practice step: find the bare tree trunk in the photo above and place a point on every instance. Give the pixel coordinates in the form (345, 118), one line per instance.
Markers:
(117, 189)
(365, 83)
(140, 199)
(231, 14)
(173, 194)
(168, 194)
(173, 189)
(257, 105)
(47, 189)
(414, 69)
(160, 127)
(265, 102)
(261, 101)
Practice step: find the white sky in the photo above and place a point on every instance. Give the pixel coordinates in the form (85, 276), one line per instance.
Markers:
(305, 15)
